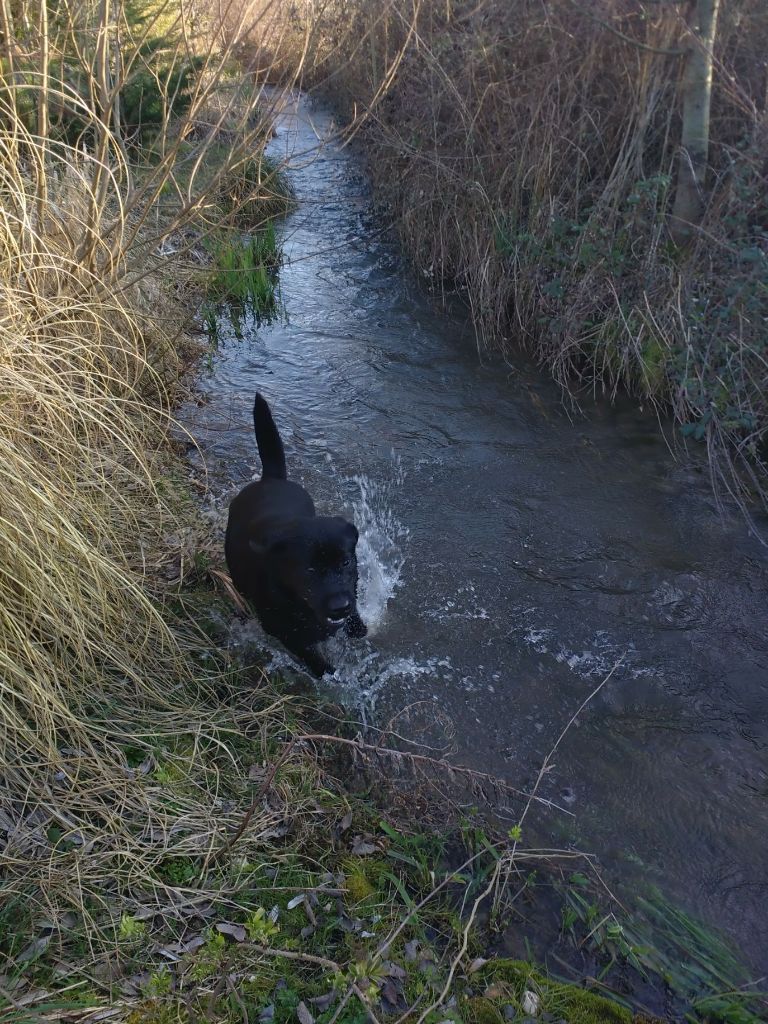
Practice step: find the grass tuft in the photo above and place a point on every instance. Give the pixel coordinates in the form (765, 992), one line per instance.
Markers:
(245, 271)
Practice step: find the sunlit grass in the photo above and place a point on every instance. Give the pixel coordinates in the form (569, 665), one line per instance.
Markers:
(245, 270)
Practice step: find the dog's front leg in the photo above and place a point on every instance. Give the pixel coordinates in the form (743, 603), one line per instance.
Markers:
(310, 656)
(317, 663)
(355, 627)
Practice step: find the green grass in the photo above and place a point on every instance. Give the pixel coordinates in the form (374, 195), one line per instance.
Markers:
(244, 272)
(291, 914)
(660, 941)
(507, 981)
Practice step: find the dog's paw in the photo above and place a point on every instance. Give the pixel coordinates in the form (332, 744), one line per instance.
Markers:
(318, 665)
(355, 627)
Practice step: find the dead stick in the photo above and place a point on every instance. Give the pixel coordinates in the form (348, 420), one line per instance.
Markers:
(215, 854)
(288, 954)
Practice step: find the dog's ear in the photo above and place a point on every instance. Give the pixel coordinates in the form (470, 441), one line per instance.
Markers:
(341, 533)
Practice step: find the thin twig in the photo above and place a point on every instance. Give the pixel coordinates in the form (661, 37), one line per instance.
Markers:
(464, 944)
(627, 39)
(289, 954)
(232, 988)
(340, 1008)
(548, 759)
(375, 749)
(214, 855)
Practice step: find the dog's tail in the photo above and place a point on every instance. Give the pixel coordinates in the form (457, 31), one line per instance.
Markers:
(268, 441)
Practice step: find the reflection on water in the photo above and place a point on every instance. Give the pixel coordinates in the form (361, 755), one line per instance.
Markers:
(512, 554)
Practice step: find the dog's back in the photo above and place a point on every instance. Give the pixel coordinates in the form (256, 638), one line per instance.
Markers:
(262, 507)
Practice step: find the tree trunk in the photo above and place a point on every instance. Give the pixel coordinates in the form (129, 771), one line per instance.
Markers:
(694, 143)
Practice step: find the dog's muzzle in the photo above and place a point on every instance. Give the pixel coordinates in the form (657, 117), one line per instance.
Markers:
(338, 610)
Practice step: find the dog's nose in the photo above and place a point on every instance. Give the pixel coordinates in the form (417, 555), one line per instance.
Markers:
(339, 608)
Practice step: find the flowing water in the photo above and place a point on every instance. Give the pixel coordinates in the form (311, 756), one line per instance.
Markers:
(512, 555)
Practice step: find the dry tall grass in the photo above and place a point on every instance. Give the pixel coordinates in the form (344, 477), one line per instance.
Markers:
(104, 693)
(528, 152)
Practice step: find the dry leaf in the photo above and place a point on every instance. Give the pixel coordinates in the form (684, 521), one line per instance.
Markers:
(323, 1002)
(362, 847)
(233, 931)
(394, 970)
(305, 1017)
(34, 949)
(171, 952)
(411, 949)
(389, 992)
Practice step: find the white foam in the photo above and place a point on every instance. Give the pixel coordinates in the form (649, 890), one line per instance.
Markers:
(362, 675)
(596, 658)
(380, 549)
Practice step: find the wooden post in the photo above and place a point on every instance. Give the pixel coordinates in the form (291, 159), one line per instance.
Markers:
(694, 143)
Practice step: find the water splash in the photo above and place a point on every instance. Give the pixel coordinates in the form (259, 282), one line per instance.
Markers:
(364, 674)
(380, 549)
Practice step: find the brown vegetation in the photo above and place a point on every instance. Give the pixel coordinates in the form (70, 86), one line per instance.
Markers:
(528, 152)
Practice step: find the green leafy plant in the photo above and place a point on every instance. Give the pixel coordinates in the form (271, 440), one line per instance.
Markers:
(130, 929)
(245, 271)
(159, 983)
(209, 958)
(260, 927)
(178, 871)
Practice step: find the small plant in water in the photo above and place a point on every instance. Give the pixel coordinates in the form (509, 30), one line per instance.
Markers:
(210, 323)
(245, 273)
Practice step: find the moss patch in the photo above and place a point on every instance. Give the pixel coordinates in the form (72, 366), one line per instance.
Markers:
(564, 1000)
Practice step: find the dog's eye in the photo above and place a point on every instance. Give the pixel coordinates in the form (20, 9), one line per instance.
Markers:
(346, 563)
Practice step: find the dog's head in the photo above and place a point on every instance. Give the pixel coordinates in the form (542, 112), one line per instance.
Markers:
(316, 566)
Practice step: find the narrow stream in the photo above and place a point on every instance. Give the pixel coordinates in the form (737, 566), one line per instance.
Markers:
(512, 556)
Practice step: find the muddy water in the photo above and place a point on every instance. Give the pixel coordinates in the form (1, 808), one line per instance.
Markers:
(512, 556)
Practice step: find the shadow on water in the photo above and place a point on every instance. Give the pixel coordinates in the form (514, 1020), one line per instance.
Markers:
(528, 553)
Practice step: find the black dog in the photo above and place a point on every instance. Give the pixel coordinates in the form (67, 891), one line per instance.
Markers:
(298, 570)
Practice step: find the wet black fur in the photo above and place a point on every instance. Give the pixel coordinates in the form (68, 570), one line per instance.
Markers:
(298, 570)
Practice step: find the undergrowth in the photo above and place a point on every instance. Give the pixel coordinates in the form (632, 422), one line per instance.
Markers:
(527, 154)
